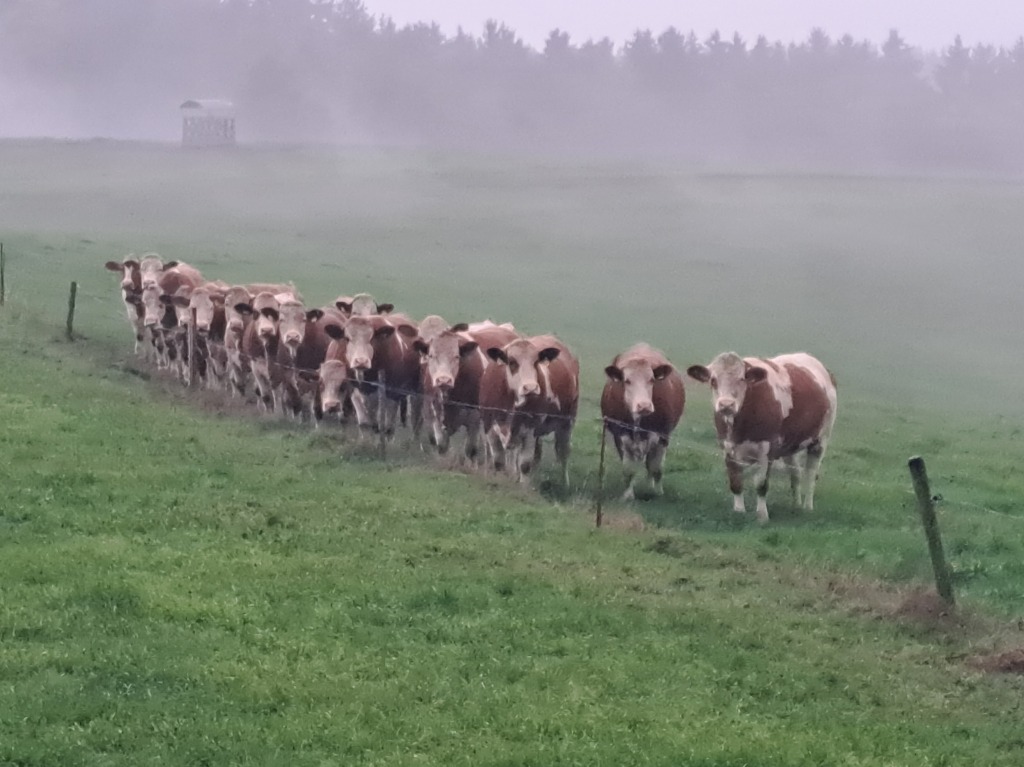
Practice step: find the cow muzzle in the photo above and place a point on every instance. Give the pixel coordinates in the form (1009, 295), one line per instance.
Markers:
(292, 339)
(332, 406)
(726, 407)
(361, 363)
(643, 409)
(444, 382)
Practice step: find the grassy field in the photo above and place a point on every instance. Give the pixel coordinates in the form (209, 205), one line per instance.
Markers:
(184, 585)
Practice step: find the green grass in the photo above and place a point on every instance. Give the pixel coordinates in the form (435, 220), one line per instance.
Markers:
(183, 585)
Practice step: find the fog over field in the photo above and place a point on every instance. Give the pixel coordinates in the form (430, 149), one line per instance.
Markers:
(805, 87)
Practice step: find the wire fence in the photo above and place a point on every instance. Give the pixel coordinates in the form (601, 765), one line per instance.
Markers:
(110, 308)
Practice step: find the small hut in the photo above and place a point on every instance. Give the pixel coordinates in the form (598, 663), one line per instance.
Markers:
(207, 122)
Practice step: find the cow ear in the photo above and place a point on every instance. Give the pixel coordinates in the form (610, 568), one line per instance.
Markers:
(271, 313)
(344, 306)
(497, 354)
(168, 300)
(755, 374)
(613, 373)
(314, 314)
(384, 331)
(385, 308)
(170, 265)
(134, 297)
(114, 266)
(699, 373)
(181, 301)
(421, 346)
(310, 376)
(461, 327)
(334, 331)
(662, 371)
(549, 355)
(468, 348)
(243, 308)
(408, 331)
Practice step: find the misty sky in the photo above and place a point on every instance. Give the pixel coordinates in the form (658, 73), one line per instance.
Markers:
(927, 24)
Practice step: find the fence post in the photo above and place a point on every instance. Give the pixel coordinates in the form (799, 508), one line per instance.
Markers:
(943, 582)
(3, 276)
(71, 311)
(599, 506)
(191, 342)
(381, 410)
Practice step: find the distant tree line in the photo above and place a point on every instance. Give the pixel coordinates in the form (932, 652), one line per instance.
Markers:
(327, 70)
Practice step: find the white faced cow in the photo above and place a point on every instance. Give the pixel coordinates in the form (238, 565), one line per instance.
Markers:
(131, 289)
(768, 409)
(641, 404)
(531, 392)
(453, 364)
(379, 354)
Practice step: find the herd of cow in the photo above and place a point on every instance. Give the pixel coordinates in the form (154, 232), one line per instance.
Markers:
(362, 360)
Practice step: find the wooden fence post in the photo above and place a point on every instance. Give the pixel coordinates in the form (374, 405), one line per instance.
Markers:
(599, 510)
(71, 311)
(381, 410)
(3, 275)
(943, 582)
(191, 342)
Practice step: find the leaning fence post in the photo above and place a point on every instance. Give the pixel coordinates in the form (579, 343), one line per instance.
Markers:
(599, 505)
(71, 311)
(191, 341)
(3, 276)
(943, 582)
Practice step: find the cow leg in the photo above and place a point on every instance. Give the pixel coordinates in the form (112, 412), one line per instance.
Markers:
(523, 465)
(472, 436)
(624, 445)
(815, 452)
(563, 446)
(655, 461)
(363, 406)
(764, 466)
(793, 467)
(415, 404)
(734, 470)
(496, 447)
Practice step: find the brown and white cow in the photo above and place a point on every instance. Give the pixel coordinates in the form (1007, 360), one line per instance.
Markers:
(159, 314)
(453, 364)
(379, 353)
(152, 268)
(239, 368)
(332, 382)
(533, 391)
(768, 409)
(641, 404)
(259, 343)
(362, 304)
(207, 301)
(303, 348)
(131, 289)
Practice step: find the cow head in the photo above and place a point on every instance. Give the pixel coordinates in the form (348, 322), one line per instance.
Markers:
(235, 320)
(292, 323)
(334, 383)
(151, 267)
(364, 332)
(131, 281)
(522, 362)
(729, 376)
(443, 355)
(637, 378)
(205, 301)
(265, 312)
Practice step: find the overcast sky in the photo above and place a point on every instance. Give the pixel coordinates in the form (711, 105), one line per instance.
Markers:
(928, 24)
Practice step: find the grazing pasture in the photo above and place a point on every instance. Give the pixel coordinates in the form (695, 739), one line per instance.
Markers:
(187, 581)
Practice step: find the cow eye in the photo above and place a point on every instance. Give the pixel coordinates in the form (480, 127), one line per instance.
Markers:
(714, 382)
(513, 365)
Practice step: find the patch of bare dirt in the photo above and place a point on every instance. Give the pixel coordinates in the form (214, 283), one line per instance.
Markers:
(1008, 662)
